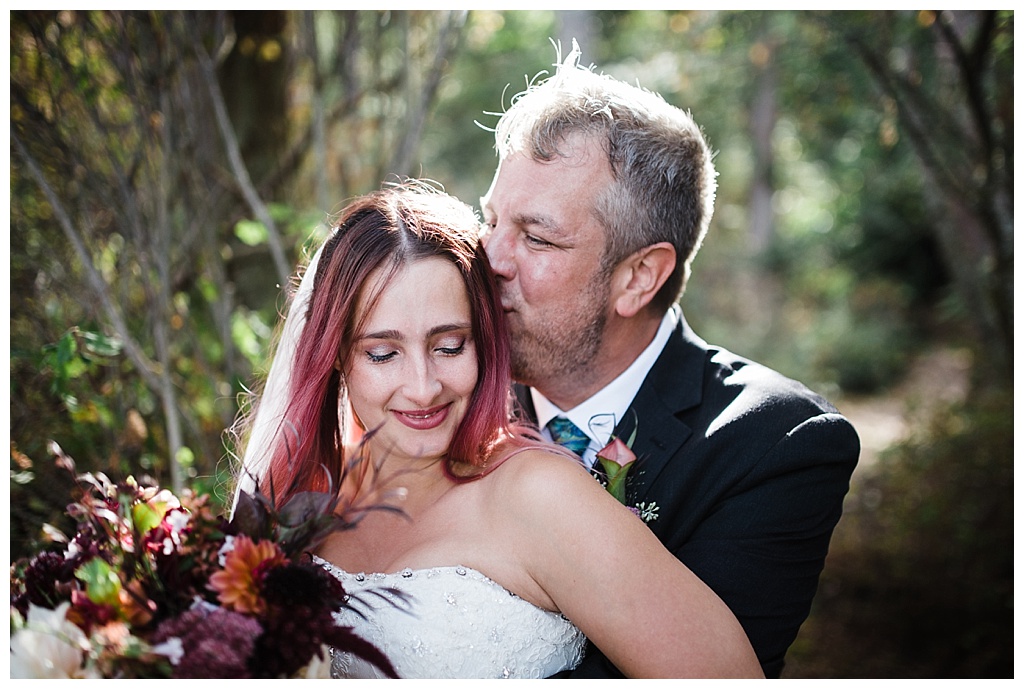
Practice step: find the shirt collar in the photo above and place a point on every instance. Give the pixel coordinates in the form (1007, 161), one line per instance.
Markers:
(600, 414)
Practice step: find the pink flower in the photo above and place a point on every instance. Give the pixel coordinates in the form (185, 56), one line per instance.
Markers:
(616, 459)
(618, 452)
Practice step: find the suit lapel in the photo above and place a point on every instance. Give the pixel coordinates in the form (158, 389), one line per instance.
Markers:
(672, 385)
(524, 409)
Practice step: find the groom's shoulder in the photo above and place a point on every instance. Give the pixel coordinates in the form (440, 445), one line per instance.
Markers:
(727, 380)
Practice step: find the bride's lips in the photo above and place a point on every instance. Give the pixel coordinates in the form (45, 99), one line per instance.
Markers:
(423, 419)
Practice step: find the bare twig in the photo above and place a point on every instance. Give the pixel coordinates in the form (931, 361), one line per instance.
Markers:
(238, 167)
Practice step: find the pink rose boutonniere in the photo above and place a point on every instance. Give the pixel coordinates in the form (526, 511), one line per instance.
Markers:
(616, 459)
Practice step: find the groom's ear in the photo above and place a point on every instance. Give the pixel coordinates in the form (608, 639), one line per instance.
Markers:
(638, 278)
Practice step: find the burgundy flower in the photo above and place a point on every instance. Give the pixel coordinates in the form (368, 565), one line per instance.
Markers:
(45, 582)
(216, 643)
(298, 620)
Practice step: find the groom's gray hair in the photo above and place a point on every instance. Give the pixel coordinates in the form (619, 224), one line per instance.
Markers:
(664, 180)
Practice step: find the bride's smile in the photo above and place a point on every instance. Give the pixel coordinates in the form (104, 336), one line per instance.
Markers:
(423, 420)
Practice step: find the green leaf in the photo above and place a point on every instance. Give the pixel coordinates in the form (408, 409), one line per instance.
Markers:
(75, 368)
(185, 457)
(249, 333)
(145, 517)
(102, 345)
(251, 232)
(101, 583)
(616, 478)
(208, 288)
(280, 212)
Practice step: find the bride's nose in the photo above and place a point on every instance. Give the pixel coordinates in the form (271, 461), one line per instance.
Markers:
(422, 385)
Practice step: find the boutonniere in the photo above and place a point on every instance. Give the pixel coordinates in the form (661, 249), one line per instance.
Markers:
(616, 459)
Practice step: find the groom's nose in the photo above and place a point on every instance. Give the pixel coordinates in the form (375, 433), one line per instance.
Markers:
(500, 251)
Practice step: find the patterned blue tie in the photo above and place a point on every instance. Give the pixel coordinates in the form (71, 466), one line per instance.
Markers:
(567, 434)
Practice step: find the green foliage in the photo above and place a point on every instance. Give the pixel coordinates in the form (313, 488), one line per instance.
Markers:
(251, 335)
(865, 345)
(74, 355)
(251, 232)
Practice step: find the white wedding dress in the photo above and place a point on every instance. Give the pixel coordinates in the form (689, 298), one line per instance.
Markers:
(452, 622)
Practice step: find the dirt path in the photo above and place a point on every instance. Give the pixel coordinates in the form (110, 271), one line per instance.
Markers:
(938, 377)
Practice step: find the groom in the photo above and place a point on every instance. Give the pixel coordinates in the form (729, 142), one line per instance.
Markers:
(602, 196)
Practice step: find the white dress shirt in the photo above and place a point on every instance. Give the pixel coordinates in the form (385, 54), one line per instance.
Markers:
(600, 414)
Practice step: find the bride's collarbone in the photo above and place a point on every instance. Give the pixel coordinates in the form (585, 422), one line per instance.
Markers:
(424, 534)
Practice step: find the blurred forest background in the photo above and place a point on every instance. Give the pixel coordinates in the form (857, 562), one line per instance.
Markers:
(169, 169)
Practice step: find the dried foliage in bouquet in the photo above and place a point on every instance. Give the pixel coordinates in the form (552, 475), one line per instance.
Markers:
(152, 585)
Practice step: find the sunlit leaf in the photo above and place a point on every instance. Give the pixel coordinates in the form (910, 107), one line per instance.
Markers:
(102, 584)
(251, 232)
(102, 345)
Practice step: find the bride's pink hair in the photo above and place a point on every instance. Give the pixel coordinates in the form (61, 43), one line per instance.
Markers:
(388, 229)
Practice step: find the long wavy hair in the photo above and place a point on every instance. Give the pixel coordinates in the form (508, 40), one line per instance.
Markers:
(389, 229)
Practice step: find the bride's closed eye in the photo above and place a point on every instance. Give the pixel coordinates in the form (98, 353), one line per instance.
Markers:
(452, 348)
(380, 355)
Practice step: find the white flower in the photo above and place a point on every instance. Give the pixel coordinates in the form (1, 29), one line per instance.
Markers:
(48, 646)
(177, 520)
(172, 648)
(164, 501)
(229, 545)
(647, 512)
(318, 667)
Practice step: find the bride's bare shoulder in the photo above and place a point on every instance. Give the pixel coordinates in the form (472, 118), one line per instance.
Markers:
(538, 472)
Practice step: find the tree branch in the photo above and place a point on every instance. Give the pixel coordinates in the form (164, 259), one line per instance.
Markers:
(241, 173)
(401, 160)
(968, 70)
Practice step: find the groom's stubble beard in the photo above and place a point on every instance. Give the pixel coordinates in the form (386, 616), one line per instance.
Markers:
(561, 345)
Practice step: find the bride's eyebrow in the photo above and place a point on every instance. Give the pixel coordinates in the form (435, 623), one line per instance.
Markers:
(397, 335)
(450, 327)
(382, 335)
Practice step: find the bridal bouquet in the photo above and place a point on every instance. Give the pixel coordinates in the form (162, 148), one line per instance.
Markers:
(152, 585)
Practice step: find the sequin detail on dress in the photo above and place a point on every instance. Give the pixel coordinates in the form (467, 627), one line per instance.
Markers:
(454, 622)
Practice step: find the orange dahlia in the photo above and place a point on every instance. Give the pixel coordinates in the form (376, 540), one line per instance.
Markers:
(238, 584)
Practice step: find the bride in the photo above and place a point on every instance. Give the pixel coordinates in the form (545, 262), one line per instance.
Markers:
(505, 556)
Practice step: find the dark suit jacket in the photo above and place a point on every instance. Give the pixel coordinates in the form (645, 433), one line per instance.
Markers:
(749, 470)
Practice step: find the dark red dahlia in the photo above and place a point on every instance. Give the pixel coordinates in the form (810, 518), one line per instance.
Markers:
(45, 583)
(300, 601)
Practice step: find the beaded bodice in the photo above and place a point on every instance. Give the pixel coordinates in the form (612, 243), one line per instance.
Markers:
(452, 622)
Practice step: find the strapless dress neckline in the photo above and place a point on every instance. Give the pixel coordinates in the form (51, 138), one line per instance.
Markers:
(451, 622)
